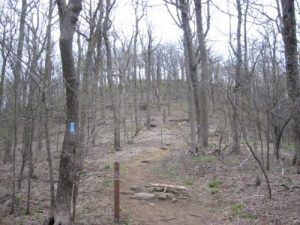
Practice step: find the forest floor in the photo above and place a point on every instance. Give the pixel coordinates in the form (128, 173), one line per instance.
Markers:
(217, 190)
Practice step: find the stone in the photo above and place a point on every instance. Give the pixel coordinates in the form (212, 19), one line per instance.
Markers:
(143, 196)
(135, 188)
(159, 188)
(174, 200)
(170, 196)
(162, 196)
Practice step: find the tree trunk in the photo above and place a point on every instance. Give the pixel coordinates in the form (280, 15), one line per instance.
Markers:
(191, 112)
(100, 68)
(204, 75)
(191, 65)
(148, 79)
(47, 82)
(237, 86)
(158, 77)
(268, 141)
(135, 99)
(7, 150)
(49, 156)
(292, 71)
(17, 74)
(71, 157)
(30, 168)
(2, 77)
(113, 89)
(169, 93)
(138, 18)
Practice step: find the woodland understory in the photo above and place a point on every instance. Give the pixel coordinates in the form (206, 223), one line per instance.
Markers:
(77, 94)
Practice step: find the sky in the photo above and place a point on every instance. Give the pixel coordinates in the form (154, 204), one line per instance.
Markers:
(164, 26)
(157, 15)
(166, 30)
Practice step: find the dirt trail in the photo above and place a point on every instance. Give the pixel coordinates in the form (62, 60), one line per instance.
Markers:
(234, 199)
(189, 211)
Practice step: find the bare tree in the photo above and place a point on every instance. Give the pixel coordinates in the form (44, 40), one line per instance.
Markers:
(148, 71)
(45, 96)
(110, 75)
(71, 156)
(6, 43)
(138, 17)
(98, 75)
(292, 72)
(17, 75)
(192, 65)
(6, 48)
(237, 83)
(204, 71)
(193, 58)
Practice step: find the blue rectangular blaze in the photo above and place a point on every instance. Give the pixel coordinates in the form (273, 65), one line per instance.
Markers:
(72, 127)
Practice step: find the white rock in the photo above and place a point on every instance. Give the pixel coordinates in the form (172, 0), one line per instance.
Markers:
(143, 196)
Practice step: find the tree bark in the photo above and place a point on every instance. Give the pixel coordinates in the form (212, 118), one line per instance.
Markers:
(237, 86)
(99, 69)
(204, 75)
(113, 94)
(148, 79)
(292, 71)
(5, 53)
(191, 107)
(17, 74)
(158, 80)
(135, 62)
(184, 7)
(71, 157)
(47, 83)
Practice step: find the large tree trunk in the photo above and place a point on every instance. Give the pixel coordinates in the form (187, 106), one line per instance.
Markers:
(191, 65)
(204, 75)
(292, 72)
(71, 156)
(191, 106)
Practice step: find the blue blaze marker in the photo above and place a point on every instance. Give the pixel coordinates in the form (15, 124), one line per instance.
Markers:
(72, 127)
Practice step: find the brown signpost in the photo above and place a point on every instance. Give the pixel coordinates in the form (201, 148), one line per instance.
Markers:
(117, 192)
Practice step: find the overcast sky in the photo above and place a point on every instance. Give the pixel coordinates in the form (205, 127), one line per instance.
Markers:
(166, 30)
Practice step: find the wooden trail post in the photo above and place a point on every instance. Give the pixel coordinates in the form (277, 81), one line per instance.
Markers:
(117, 192)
